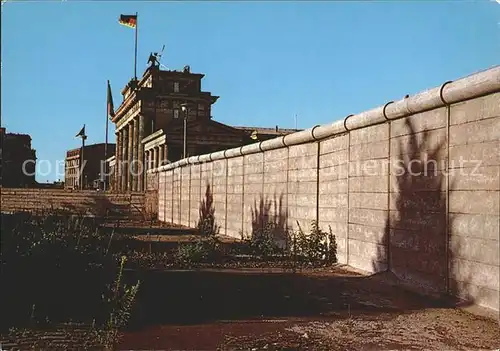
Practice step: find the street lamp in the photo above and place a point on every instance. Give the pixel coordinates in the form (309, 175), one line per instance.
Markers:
(185, 109)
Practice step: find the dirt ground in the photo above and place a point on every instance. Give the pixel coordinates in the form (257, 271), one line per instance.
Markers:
(329, 310)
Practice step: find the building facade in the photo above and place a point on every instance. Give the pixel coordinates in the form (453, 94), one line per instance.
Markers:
(93, 166)
(17, 160)
(161, 111)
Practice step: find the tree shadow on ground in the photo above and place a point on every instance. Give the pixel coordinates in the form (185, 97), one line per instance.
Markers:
(416, 243)
(203, 296)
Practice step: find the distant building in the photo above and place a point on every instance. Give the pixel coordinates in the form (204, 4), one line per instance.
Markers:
(150, 125)
(94, 159)
(17, 160)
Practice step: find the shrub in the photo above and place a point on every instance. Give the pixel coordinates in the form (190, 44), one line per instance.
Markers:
(316, 247)
(201, 251)
(65, 264)
(119, 302)
(262, 242)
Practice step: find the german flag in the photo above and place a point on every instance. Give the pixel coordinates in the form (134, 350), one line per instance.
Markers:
(128, 20)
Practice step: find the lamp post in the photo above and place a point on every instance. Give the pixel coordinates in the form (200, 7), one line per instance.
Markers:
(185, 109)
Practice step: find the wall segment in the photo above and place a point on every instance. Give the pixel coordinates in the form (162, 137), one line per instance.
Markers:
(411, 186)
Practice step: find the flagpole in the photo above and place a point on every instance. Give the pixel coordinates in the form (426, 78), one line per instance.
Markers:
(82, 160)
(135, 57)
(106, 139)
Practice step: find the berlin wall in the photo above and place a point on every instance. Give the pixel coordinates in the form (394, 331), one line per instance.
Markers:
(411, 186)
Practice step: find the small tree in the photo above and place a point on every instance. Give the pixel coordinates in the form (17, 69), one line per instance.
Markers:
(206, 224)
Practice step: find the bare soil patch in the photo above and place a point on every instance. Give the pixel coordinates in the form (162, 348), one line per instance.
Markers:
(316, 309)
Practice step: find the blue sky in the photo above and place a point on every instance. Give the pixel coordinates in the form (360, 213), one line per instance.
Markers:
(266, 60)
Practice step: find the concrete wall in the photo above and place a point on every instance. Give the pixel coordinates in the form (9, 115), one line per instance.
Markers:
(411, 186)
(78, 202)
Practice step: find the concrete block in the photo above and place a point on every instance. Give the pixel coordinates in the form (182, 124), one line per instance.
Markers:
(334, 158)
(332, 200)
(368, 264)
(304, 162)
(375, 218)
(253, 188)
(235, 188)
(333, 173)
(253, 159)
(435, 222)
(484, 154)
(479, 295)
(419, 122)
(275, 166)
(302, 212)
(310, 149)
(422, 242)
(254, 178)
(474, 202)
(475, 109)
(369, 250)
(485, 130)
(481, 226)
(255, 168)
(235, 171)
(275, 177)
(334, 144)
(339, 229)
(333, 187)
(418, 202)
(374, 201)
(235, 179)
(475, 273)
(367, 233)
(420, 163)
(371, 151)
(302, 187)
(429, 181)
(429, 141)
(370, 134)
(302, 175)
(433, 283)
(276, 154)
(377, 167)
(276, 189)
(368, 185)
(475, 249)
(480, 178)
(302, 200)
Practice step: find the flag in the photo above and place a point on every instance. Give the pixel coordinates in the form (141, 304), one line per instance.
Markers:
(111, 109)
(128, 20)
(81, 132)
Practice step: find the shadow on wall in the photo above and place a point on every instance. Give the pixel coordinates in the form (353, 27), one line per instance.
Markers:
(416, 244)
(270, 217)
(207, 225)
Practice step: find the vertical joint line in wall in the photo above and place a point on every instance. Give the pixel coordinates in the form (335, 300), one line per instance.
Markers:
(388, 224)
(242, 193)
(447, 202)
(201, 187)
(286, 185)
(348, 193)
(317, 181)
(189, 196)
(225, 192)
(447, 181)
(263, 168)
(172, 197)
(180, 195)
